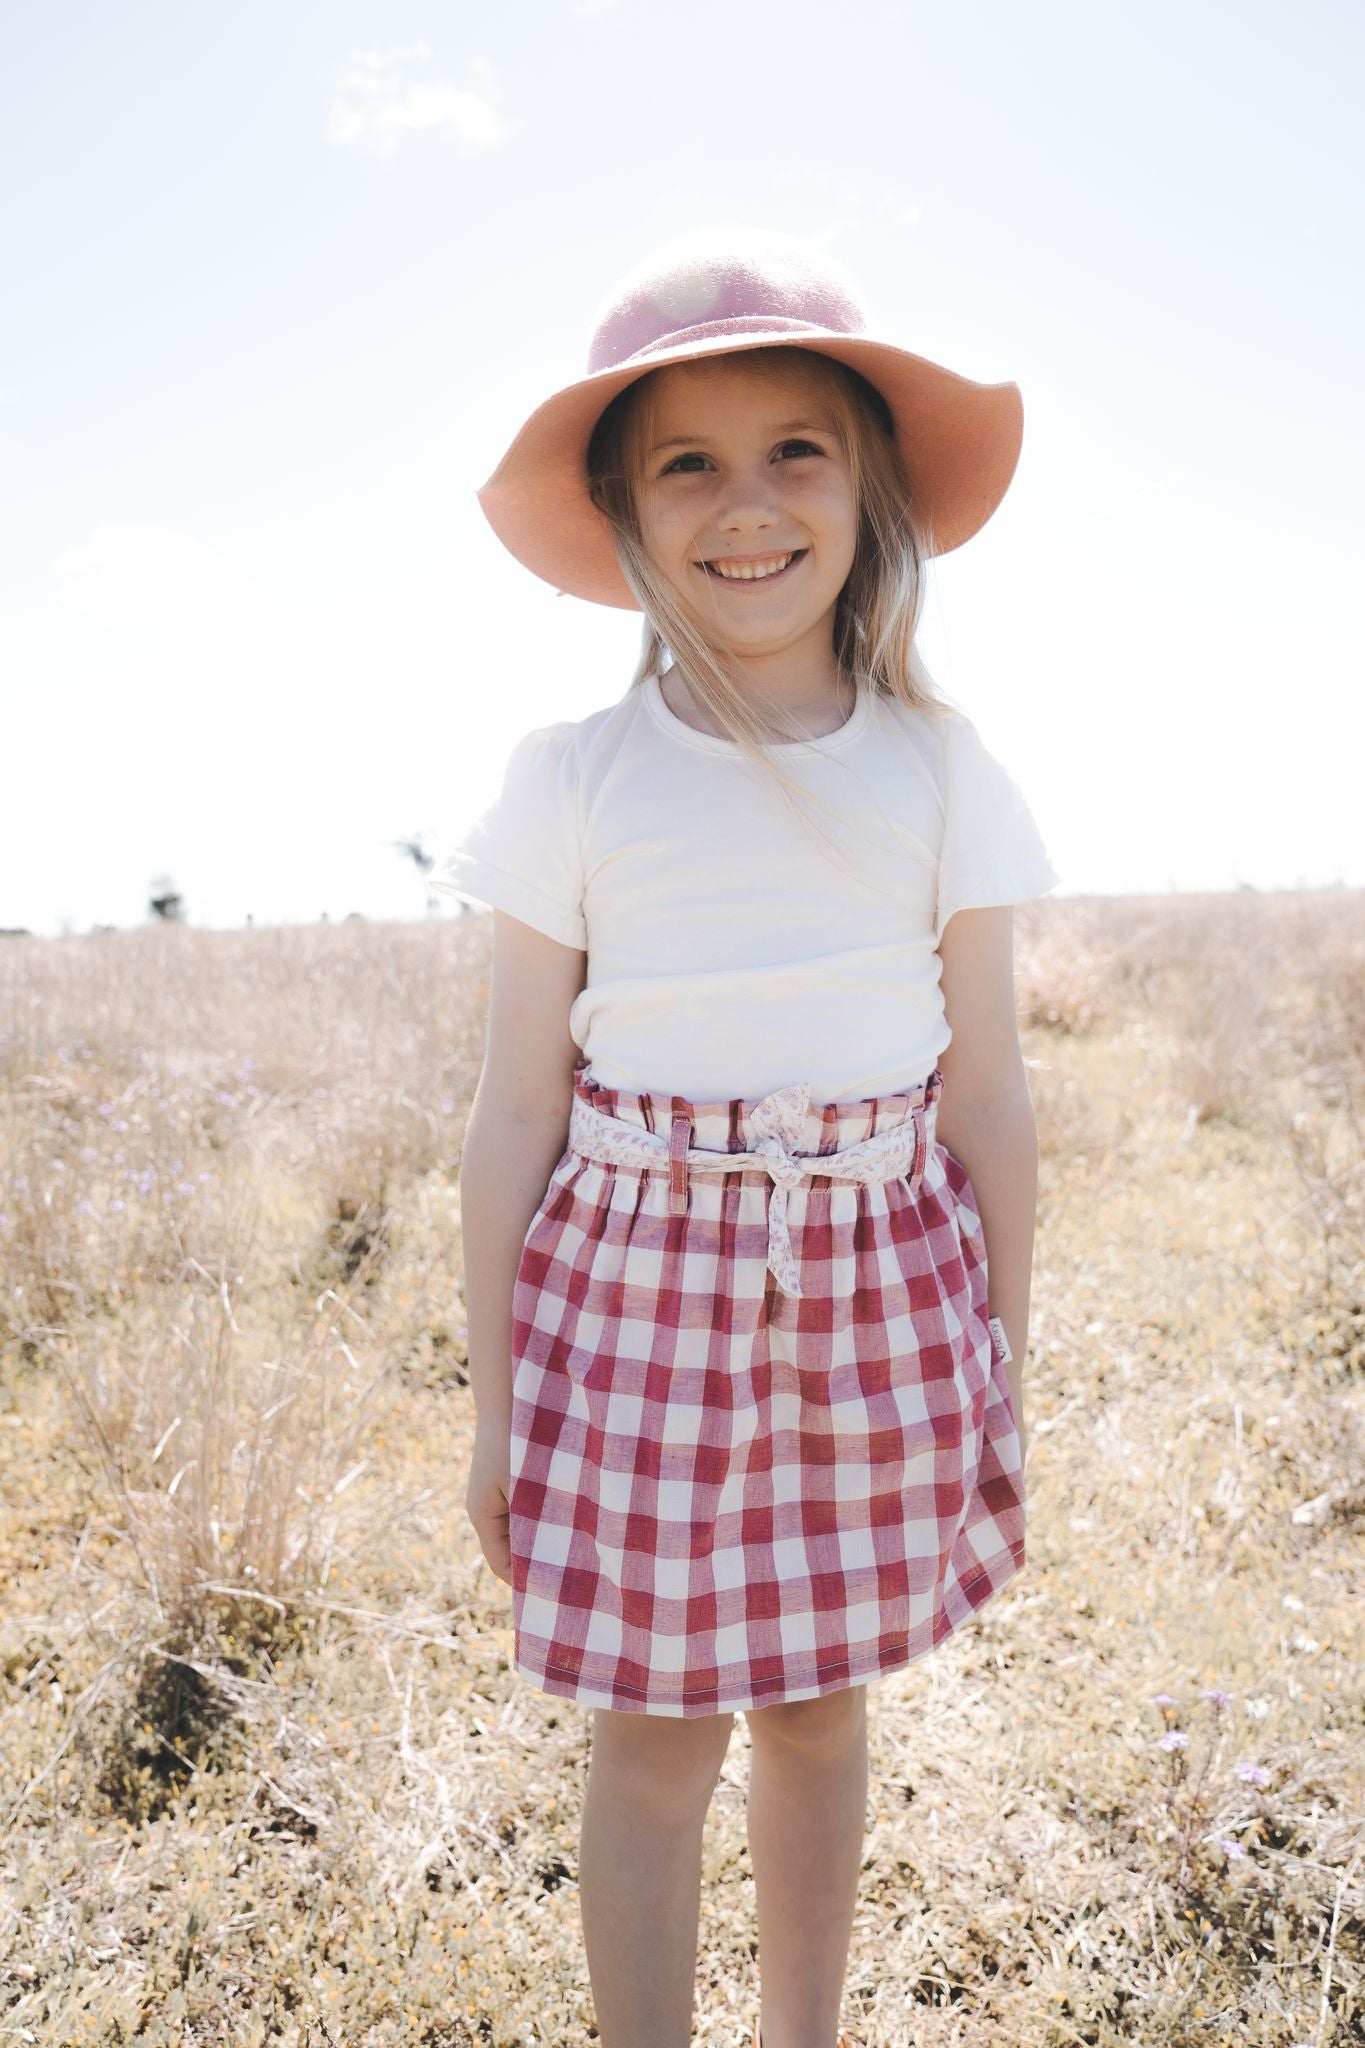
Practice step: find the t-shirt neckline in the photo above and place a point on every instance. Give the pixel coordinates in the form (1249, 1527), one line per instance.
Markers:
(711, 743)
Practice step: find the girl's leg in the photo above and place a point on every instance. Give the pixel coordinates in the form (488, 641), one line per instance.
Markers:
(807, 1814)
(650, 1781)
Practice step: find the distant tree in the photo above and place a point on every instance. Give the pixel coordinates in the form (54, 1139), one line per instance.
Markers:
(166, 901)
(416, 852)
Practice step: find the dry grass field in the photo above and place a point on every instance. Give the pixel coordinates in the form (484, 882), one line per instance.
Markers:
(265, 1772)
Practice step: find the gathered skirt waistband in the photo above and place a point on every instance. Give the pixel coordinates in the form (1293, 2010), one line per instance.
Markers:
(783, 1134)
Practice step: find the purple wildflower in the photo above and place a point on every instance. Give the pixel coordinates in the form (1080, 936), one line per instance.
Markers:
(1229, 1847)
(1253, 1774)
(1217, 1695)
(1172, 1739)
(1162, 1699)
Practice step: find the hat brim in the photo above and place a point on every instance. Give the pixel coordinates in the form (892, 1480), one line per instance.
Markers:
(959, 442)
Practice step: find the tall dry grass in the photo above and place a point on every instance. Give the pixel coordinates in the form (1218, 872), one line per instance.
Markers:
(265, 1773)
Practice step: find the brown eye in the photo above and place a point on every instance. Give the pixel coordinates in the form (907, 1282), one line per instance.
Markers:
(801, 447)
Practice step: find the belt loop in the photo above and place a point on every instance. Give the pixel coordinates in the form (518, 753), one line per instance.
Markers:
(925, 1109)
(679, 1138)
(921, 1116)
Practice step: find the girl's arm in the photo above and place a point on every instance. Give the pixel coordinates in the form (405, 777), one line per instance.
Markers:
(517, 1129)
(985, 1113)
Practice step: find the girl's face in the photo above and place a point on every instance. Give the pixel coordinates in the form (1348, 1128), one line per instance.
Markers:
(745, 470)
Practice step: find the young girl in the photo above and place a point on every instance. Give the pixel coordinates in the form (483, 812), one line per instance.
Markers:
(753, 1112)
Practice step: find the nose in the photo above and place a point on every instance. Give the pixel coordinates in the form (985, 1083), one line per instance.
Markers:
(749, 502)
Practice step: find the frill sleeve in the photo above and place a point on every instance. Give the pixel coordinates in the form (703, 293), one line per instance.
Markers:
(992, 850)
(523, 854)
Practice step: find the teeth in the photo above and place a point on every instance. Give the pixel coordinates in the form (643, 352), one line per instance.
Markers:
(771, 568)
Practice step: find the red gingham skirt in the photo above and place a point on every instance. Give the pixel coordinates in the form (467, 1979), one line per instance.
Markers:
(722, 1494)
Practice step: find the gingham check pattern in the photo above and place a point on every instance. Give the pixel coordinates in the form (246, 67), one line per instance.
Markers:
(726, 1492)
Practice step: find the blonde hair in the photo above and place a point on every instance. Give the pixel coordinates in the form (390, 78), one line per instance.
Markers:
(878, 611)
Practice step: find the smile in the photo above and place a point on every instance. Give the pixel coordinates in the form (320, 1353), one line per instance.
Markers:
(770, 569)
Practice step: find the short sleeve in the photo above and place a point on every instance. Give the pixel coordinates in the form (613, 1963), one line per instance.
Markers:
(992, 850)
(523, 854)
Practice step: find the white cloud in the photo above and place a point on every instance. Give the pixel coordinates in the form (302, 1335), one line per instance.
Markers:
(378, 102)
(901, 211)
(852, 202)
(152, 576)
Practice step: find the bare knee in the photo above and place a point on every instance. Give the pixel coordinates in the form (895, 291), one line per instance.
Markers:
(824, 1727)
(662, 1765)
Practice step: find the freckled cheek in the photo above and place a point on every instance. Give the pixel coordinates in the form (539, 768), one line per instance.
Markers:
(674, 549)
(830, 500)
(668, 540)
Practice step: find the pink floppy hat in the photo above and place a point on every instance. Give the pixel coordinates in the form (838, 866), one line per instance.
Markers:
(711, 294)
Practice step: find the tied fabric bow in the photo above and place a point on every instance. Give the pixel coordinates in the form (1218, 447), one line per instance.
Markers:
(778, 1122)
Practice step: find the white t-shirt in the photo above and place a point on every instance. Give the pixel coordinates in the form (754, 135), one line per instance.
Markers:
(728, 953)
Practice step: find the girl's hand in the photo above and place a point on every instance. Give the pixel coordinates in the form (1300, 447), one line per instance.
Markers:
(486, 1496)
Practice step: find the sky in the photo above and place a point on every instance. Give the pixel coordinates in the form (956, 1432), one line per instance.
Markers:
(282, 280)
